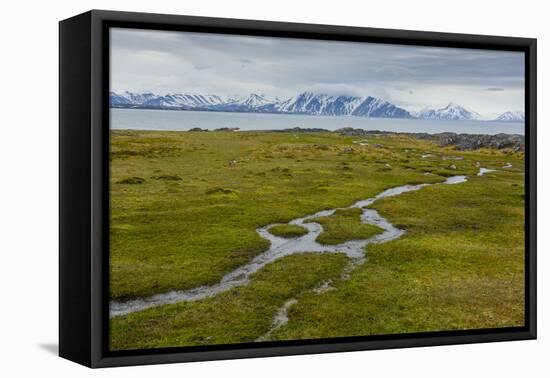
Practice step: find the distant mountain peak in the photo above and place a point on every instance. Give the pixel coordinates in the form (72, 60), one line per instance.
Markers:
(452, 111)
(253, 100)
(306, 93)
(511, 116)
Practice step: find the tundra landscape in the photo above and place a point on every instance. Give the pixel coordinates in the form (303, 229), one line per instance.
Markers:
(189, 208)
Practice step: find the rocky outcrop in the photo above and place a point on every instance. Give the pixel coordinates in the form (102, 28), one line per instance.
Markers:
(474, 141)
(350, 131)
(459, 141)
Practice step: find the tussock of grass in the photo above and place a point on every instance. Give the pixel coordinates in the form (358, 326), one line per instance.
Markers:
(218, 190)
(167, 177)
(344, 225)
(288, 230)
(444, 172)
(132, 180)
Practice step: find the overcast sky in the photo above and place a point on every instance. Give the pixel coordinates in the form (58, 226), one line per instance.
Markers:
(489, 82)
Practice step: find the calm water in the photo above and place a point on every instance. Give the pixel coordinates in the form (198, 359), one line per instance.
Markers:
(145, 119)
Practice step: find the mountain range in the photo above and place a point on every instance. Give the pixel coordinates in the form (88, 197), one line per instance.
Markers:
(304, 103)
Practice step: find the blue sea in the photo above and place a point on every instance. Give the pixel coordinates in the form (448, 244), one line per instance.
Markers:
(146, 119)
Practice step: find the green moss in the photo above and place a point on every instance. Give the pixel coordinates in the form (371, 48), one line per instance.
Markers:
(344, 225)
(288, 230)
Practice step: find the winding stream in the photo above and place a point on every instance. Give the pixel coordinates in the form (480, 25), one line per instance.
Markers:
(281, 247)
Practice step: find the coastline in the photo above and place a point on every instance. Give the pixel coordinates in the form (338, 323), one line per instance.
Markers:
(460, 141)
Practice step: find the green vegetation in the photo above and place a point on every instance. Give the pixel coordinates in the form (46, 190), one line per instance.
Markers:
(288, 230)
(239, 315)
(344, 225)
(178, 234)
(459, 264)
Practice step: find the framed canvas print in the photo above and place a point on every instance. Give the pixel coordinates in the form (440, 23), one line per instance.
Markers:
(234, 188)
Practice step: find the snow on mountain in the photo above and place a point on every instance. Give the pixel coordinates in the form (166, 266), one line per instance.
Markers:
(129, 98)
(254, 101)
(250, 103)
(342, 105)
(323, 104)
(183, 101)
(151, 100)
(320, 104)
(450, 112)
(194, 100)
(511, 117)
(304, 103)
(165, 102)
(375, 107)
(116, 99)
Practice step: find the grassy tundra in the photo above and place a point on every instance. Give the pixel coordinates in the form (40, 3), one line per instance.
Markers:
(185, 207)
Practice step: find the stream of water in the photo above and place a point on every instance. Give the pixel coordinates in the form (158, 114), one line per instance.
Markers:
(281, 247)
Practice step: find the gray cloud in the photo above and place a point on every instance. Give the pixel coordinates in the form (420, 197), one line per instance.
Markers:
(201, 67)
(489, 82)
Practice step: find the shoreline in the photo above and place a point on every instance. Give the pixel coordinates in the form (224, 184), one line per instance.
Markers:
(461, 141)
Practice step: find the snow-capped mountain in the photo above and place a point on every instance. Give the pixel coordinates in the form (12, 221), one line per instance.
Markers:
(254, 101)
(342, 105)
(323, 104)
(449, 112)
(183, 101)
(174, 100)
(511, 117)
(375, 107)
(129, 98)
(250, 103)
(194, 100)
(319, 104)
(306, 103)
(117, 100)
(167, 101)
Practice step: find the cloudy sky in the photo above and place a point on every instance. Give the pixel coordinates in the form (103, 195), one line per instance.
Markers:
(489, 82)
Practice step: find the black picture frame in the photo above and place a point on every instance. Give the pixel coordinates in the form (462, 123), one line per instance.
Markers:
(84, 193)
